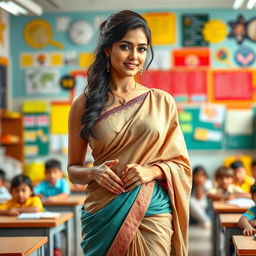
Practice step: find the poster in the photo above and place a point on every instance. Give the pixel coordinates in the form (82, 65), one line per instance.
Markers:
(192, 25)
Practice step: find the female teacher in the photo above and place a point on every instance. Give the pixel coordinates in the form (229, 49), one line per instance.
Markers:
(137, 198)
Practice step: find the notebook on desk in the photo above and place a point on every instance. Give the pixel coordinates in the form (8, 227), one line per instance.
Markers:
(242, 202)
(38, 215)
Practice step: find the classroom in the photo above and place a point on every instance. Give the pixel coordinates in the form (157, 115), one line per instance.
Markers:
(204, 56)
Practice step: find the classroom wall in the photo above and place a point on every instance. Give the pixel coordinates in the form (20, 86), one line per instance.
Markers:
(210, 158)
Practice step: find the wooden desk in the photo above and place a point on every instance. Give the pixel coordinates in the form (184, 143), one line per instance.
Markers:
(11, 226)
(72, 204)
(229, 223)
(244, 245)
(23, 246)
(221, 207)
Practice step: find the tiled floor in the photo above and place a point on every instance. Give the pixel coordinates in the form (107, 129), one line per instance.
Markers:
(199, 241)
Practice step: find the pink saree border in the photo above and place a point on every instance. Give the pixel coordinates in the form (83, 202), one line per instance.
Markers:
(132, 221)
(119, 108)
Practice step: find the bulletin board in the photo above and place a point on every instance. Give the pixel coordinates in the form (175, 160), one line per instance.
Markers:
(234, 88)
(189, 122)
(183, 84)
(3, 82)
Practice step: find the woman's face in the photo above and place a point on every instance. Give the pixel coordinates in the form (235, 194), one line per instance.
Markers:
(129, 54)
(21, 193)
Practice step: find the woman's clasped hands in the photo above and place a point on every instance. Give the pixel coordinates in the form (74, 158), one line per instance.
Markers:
(132, 176)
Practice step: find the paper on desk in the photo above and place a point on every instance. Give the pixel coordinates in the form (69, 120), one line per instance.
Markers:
(242, 202)
(38, 215)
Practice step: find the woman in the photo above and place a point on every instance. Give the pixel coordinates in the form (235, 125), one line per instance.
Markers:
(139, 187)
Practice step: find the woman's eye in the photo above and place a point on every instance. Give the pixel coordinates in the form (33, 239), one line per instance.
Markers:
(124, 47)
(142, 49)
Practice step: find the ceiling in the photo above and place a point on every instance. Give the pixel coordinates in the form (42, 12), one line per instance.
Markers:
(90, 5)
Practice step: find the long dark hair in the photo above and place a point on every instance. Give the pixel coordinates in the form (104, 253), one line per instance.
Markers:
(19, 180)
(112, 30)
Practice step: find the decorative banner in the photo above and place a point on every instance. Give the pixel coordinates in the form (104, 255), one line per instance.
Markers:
(41, 59)
(244, 56)
(163, 27)
(192, 25)
(67, 82)
(223, 55)
(38, 34)
(214, 31)
(238, 29)
(191, 57)
(251, 29)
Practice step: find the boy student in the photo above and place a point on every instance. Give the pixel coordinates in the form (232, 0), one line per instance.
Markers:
(248, 220)
(54, 187)
(225, 190)
(4, 193)
(240, 178)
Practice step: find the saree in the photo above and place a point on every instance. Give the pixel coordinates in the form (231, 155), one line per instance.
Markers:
(145, 131)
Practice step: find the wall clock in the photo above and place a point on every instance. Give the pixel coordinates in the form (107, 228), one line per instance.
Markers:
(80, 32)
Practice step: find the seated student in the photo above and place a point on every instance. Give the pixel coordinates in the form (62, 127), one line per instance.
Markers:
(248, 220)
(224, 189)
(4, 192)
(23, 199)
(199, 205)
(253, 166)
(54, 187)
(240, 178)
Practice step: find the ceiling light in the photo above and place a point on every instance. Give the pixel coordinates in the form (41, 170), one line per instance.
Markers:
(24, 7)
(8, 8)
(238, 4)
(251, 4)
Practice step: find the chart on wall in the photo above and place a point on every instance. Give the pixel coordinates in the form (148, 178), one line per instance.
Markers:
(192, 25)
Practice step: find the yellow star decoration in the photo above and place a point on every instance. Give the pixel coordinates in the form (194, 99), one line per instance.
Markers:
(214, 31)
(2, 28)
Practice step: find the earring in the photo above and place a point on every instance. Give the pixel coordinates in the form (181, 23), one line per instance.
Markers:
(141, 71)
(108, 65)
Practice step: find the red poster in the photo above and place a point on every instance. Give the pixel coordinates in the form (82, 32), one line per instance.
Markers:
(186, 83)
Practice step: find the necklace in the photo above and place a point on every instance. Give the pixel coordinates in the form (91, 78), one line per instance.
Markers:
(122, 99)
